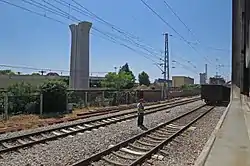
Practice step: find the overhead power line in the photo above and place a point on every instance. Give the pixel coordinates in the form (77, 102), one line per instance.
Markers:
(42, 69)
(185, 67)
(172, 10)
(31, 11)
(189, 29)
(164, 21)
(72, 18)
(83, 10)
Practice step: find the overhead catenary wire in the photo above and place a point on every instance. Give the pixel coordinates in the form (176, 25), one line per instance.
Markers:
(185, 67)
(117, 37)
(71, 17)
(171, 27)
(128, 36)
(31, 11)
(43, 69)
(64, 16)
(189, 29)
(125, 33)
(76, 19)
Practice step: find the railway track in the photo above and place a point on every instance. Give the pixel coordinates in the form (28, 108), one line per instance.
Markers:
(136, 150)
(26, 140)
(102, 112)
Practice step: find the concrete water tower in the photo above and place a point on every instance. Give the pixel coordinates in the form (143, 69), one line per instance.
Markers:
(79, 60)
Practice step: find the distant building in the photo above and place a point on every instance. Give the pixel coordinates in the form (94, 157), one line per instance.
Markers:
(217, 80)
(202, 78)
(178, 81)
(160, 82)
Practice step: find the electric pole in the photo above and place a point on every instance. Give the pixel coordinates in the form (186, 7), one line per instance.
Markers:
(166, 64)
(42, 72)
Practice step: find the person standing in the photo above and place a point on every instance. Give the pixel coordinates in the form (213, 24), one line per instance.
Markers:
(140, 108)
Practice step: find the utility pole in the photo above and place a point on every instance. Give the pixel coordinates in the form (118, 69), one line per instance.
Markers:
(166, 64)
(42, 72)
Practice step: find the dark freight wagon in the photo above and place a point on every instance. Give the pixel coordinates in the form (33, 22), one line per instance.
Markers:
(215, 94)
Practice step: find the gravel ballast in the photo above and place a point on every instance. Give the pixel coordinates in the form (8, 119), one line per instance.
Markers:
(13, 134)
(190, 146)
(70, 149)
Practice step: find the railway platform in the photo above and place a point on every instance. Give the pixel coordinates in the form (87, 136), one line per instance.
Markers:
(229, 145)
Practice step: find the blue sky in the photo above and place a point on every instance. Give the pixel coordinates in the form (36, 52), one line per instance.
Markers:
(30, 40)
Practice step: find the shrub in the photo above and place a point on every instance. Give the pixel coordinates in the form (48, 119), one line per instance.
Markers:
(22, 98)
(54, 96)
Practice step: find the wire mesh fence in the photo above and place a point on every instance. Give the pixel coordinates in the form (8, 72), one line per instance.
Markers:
(23, 104)
(44, 104)
(81, 99)
(1, 106)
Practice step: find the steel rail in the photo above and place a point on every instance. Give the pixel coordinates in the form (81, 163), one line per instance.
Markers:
(98, 156)
(94, 120)
(156, 149)
(71, 132)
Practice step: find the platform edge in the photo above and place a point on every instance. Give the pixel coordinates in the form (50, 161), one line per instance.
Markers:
(200, 161)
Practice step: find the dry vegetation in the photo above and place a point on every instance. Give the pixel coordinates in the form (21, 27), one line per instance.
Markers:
(33, 121)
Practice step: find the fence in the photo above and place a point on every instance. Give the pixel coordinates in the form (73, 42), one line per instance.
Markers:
(93, 98)
(15, 105)
(2, 106)
(45, 104)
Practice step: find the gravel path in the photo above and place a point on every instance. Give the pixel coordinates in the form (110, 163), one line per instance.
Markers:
(67, 150)
(189, 147)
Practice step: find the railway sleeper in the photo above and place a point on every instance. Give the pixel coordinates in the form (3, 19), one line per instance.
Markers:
(151, 140)
(65, 131)
(21, 141)
(57, 133)
(112, 162)
(6, 145)
(138, 147)
(145, 143)
(44, 135)
(159, 135)
(162, 133)
(129, 151)
(167, 130)
(72, 129)
(80, 127)
(33, 138)
(126, 157)
(107, 121)
(155, 138)
(88, 125)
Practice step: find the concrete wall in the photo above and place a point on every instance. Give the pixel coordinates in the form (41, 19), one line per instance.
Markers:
(240, 47)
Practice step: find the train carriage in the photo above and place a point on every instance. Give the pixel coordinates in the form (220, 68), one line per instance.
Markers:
(215, 94)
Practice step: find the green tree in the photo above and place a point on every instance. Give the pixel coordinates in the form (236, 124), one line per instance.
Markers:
(117, 81)
(20, 89)
(127, 71)
(7, 72)
(35, 74)
(143, 79)
(22, 99)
